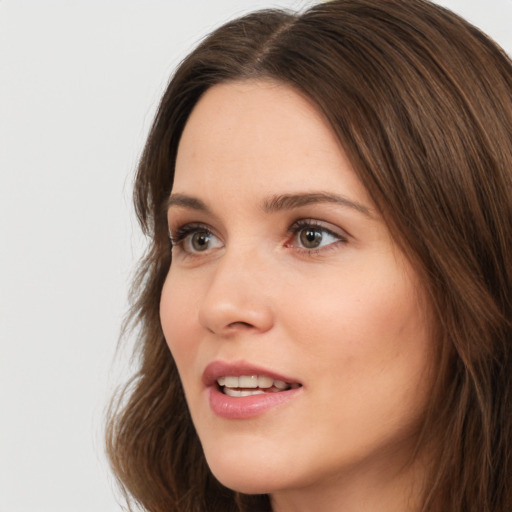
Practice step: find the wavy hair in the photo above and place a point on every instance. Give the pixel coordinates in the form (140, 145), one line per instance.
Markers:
(421, 102)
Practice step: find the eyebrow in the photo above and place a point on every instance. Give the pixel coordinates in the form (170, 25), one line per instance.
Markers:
(277, 203)
(184, 201)
(291, 201)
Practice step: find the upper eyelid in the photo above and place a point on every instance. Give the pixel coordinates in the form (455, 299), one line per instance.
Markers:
(296, 224)
(189, 227)
(334, 229)
(179, 217)
(182, 212)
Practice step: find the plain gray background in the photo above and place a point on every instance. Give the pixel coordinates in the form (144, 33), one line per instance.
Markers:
(79, 85)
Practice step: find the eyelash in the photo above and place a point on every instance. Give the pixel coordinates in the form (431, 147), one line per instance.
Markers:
(181, 235)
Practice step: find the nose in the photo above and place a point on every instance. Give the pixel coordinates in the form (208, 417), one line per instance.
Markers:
(237, 298)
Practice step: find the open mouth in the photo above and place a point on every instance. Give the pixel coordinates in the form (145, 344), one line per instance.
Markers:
(249, 385)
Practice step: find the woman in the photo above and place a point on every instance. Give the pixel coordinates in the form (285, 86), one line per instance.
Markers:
(335, 192)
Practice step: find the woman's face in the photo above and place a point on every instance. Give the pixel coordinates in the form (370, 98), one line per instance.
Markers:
(297, 324)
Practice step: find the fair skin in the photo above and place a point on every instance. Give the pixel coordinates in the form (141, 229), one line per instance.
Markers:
(281, 262)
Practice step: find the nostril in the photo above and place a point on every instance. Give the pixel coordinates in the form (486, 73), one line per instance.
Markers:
(244, 325)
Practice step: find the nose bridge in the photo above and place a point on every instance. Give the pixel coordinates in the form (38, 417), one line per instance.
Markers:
(236, 297)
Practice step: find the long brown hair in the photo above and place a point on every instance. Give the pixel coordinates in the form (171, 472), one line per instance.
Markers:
(421, 101)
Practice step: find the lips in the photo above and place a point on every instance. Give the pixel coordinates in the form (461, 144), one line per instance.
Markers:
(239, 390)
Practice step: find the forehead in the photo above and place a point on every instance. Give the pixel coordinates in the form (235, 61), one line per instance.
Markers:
(260, 134)
(249, 115)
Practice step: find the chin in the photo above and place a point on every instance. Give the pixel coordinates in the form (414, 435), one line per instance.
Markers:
(247, 482)
(244, 485)
(245, 473)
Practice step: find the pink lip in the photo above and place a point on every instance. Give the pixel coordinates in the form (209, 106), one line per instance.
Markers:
(243, 407)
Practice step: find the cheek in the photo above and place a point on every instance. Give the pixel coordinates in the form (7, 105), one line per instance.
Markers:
(368, 327)
(360, 306)
(367, 358)
(177, 319)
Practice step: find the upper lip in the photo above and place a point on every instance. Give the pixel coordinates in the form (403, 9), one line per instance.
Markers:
(218, 369)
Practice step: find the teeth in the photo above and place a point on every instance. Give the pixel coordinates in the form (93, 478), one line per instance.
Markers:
(265, 382)
(279, 384)
(248, 381)
(233, 384)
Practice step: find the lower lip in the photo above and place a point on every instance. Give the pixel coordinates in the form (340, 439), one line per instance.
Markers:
(237, 408)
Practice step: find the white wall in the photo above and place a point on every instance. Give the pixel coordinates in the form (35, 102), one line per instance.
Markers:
(79, 84)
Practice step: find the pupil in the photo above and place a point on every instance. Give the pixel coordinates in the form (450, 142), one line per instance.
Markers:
(310, 238)
(200, 241)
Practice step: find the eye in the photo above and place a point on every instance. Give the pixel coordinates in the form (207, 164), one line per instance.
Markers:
(194, 239)
(311, 235)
